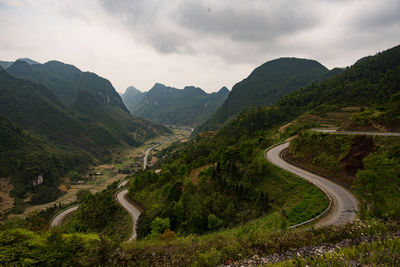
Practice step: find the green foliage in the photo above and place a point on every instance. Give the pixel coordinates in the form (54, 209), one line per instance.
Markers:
(379, 184)
(43, 194)
(102, 214)
(371, 81)
(322, 149)
(385, 252)
(82, 194)
(25, 156)
(214, 223)
(158, 225)
(376, 176)
(245, 241)
(20, 247)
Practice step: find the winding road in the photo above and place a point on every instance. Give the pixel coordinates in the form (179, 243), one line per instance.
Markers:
(344, 203)
(132, 210)
(57, 220)
(120, 197)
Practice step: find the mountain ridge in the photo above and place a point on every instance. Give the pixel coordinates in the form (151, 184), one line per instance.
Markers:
(66, 80)
(164, 104)
(264, 86)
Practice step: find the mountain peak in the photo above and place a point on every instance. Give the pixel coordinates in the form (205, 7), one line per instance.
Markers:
(28, 60)
(131, 89)
(60, 66)
(223, 90)
(193, 89)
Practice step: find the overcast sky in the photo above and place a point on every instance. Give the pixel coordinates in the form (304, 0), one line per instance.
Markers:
(208, 43)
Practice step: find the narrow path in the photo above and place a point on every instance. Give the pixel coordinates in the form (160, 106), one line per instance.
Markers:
(345, 204)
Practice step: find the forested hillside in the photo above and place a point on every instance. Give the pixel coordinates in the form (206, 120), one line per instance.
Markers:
(264, 87)
(34, 165)
(66, 81)
(68, 138)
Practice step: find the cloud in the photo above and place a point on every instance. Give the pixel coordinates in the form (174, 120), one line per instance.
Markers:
(242, 31)
(206, 43)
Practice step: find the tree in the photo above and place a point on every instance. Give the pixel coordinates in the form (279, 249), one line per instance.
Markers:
(158, 225)
(214, 222)
(379, 178)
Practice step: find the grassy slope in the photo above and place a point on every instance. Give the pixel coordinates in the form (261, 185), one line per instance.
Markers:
(345, 157)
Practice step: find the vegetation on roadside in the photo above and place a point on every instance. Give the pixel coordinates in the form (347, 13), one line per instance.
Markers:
(100, 213)
(384, 252)
(368, 165)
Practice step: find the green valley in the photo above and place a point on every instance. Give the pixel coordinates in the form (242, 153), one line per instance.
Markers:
(297, 165)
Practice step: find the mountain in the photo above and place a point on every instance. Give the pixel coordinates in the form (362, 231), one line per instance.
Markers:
(93, 98)
(132, 98)
(6, 64)
(33, 163)
(88, 131)
(265, 85)
(188, 107)
(66, 81)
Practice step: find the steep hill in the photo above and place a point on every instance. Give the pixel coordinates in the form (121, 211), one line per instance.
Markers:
(265, 85)
(34, 164)
(66, 81)
(189, 106)
(88, 132)
(6, 64)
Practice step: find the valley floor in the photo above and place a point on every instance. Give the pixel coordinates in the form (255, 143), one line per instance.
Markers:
(107, 172)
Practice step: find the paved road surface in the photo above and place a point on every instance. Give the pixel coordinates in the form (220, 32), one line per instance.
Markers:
(133, 211)
(60, 217)
(146, 154)
(344, 203)
(356, 133)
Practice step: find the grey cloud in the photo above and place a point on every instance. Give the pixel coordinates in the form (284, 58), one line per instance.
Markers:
(243, 31)
(187, 26)
(382, 15)
(246, 21)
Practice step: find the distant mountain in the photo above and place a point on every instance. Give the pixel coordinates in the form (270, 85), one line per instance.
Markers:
(66, 81)
(6, 64)
(189, 106)
(132, 98)
(265, 86)
(28, 60)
